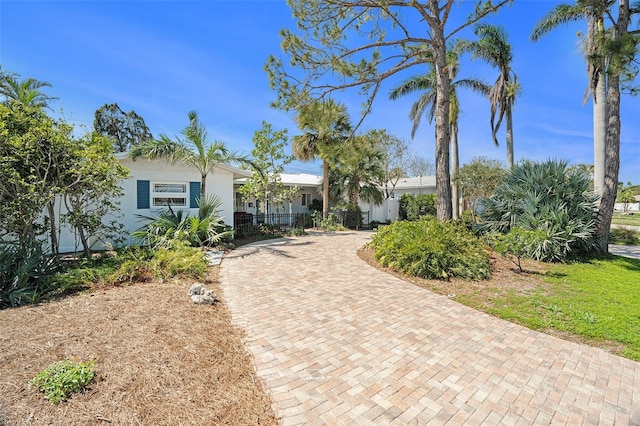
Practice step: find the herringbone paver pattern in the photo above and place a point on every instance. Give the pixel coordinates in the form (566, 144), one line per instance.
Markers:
(339, 342)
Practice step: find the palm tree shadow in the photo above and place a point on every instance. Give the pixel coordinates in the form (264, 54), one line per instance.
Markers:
(270, 247)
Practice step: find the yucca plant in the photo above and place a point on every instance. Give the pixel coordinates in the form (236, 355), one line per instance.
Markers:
(549, 197)
(206, 229)
(26, 274)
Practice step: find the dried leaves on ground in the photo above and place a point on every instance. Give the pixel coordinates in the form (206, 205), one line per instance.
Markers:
(160, 360)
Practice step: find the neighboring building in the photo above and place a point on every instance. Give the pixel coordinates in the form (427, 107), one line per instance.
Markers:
(310, 190)
(153, 184)
(309, 186)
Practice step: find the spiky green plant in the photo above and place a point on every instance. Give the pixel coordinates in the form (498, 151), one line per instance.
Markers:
(205, 229)
(550, 197)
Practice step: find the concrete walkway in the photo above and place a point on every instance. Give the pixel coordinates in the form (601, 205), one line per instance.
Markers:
(339, 342)
(626, 251)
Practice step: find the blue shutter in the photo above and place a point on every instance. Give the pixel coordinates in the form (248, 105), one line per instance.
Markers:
(143, 194)
(194, 194)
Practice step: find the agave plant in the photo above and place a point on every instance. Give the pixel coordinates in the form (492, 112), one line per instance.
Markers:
(206, 229)
(26, 274)
(550, 197)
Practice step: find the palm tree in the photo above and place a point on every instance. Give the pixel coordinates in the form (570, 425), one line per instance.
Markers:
(26, 91)
(593, 12)
(358, 171)
(427, 83)
(325, 125)
(493, 47)
(195, 150)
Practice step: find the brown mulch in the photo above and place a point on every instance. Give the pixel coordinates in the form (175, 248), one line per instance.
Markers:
(160, 360)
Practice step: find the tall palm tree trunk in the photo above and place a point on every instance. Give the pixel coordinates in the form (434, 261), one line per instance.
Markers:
(599, 134)
(53, 232)
(325, 189)
(612, 148)
(509, 138)
(455, 165)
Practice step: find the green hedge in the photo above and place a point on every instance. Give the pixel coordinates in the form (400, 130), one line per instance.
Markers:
(428, 248)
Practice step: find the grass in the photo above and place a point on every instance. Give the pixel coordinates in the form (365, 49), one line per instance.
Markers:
(595, 300)
(626, 219)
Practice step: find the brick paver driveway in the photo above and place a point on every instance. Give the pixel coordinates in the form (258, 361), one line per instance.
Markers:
(339, 342)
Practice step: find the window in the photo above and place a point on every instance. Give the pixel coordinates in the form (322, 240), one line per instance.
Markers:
(169, 194)
(306, 199)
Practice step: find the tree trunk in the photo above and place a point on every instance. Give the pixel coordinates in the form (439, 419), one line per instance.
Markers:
(203, 188)
(612, 148)
(599, 134)
(325, 189)
(51, 207)
(509, 113)
(598, 86)
(455, 165)
(443, 90)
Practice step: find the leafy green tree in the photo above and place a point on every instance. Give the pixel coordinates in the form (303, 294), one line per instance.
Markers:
(92, 190)
(195, 150)
(478, 180)
(25, 91)
(492, 46)
(32, 148)
(547, 197)
(126, 129)
(427, 83)
(360, 43)
(626, 196)
(326, 126)
(359, 170)
(269, 160)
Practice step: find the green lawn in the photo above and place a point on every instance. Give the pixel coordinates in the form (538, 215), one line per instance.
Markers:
(597, 300)
(626, 219)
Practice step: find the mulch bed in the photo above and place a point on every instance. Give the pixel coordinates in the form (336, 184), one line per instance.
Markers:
(160, 360)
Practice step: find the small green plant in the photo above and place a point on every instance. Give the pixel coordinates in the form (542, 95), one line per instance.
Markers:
(59, 380)
(296, 232)
(517, 244)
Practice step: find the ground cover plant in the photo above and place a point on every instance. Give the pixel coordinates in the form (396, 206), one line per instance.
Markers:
(593, 302)
(60, 379)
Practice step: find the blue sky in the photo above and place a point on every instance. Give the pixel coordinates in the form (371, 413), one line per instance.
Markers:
(165, 58)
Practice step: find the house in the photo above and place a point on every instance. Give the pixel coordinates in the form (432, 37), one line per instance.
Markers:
(154, 184)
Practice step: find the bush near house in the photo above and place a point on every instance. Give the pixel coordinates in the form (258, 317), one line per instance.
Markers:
(428, 248)
(412, 207)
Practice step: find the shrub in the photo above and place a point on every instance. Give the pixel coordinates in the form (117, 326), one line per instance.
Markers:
(549, 197)
(624, 236)
(26, 274)
(428, 248)
(59, 380)
(412, 207)
(144, 264)
(329, 223)
(518, 243)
